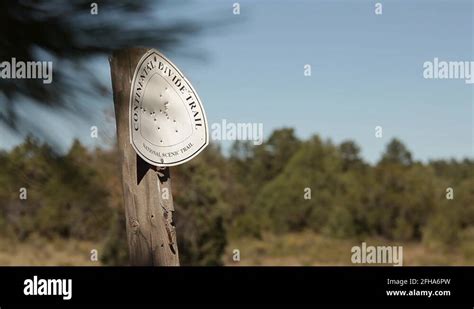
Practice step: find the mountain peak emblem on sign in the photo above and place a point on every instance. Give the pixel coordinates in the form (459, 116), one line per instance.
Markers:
(168, 124)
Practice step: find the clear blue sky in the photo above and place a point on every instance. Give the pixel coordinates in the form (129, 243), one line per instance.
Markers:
(367, 70)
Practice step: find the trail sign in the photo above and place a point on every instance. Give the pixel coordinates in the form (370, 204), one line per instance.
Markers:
(167, 122)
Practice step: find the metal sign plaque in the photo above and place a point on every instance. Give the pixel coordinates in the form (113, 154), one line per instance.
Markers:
(167, 121)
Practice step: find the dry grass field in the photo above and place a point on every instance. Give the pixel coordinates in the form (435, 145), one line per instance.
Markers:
(43, 252)
(296, 249)
(310, 249)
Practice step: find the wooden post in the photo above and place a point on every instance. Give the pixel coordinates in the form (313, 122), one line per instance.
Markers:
(146, 189)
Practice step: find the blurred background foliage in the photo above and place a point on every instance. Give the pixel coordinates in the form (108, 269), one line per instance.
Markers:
(74, 38)
(254, 191)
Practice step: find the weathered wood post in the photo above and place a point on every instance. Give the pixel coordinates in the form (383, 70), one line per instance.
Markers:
(160, 123)
(150, 231)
